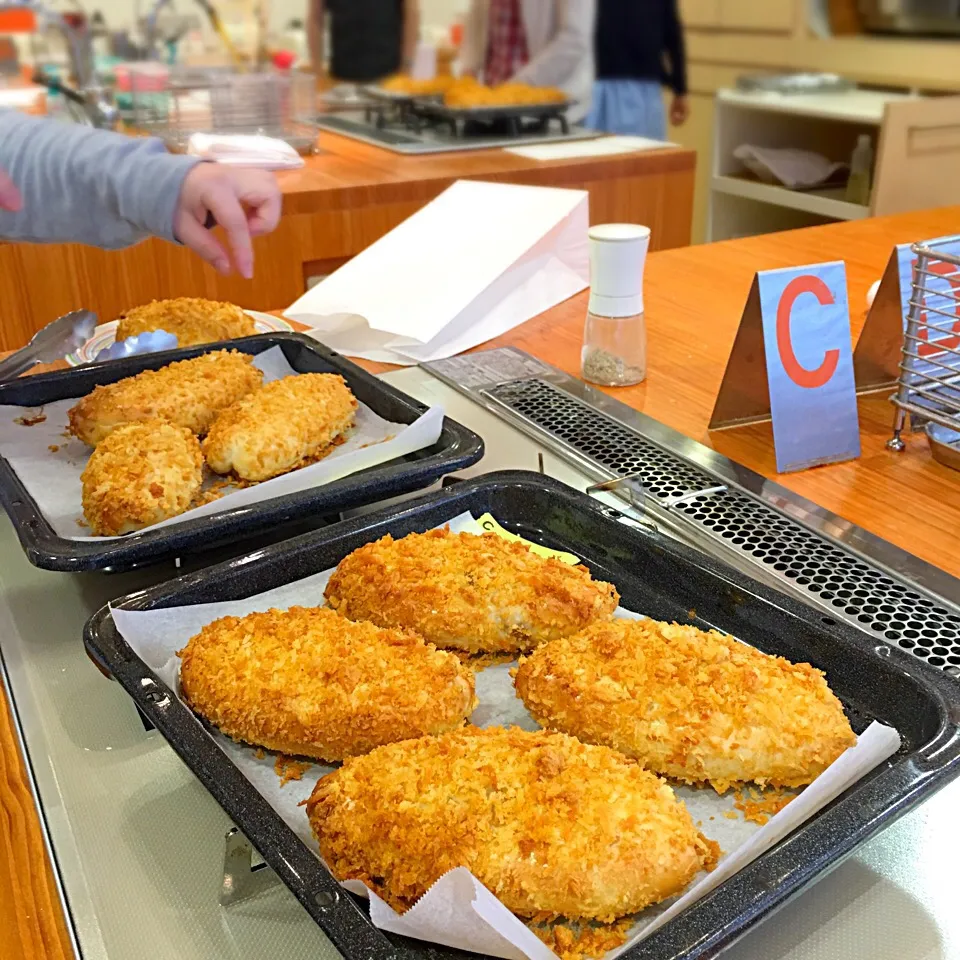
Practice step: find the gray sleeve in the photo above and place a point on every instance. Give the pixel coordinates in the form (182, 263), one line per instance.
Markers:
(81, 185)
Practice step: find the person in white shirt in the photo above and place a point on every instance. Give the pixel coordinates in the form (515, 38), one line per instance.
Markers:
(545, 43)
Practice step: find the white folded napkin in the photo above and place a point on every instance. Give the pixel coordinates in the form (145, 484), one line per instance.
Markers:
(795, 169)
(241, 150)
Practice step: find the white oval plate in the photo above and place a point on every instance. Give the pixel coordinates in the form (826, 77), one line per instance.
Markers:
(105, 334)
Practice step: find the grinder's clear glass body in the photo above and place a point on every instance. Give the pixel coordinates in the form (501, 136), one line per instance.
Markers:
(614, 352)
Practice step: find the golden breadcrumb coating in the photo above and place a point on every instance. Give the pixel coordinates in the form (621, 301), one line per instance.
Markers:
(192, 320)
(189, 393)
(284, 425)
(468, 92)
(586, 940)
(689, 705)
(141, 474)
(551, 826)
(309, 683)
(478, 593)
(407, 85)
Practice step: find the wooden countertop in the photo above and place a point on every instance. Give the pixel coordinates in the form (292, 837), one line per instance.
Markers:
(349, 173)
(343, 200)
(694, 297)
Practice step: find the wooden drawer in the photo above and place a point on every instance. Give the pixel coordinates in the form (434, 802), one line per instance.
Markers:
(771, 16)
(700, 13)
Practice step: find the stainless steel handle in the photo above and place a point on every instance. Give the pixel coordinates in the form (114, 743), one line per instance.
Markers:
(17, 363)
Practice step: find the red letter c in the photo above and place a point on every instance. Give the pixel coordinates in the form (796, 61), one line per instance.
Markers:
(800, 375)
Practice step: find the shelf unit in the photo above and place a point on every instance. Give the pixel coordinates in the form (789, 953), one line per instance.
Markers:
(828, 124)
(826, 202)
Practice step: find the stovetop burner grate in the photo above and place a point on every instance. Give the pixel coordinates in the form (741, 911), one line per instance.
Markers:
(838, 578)
(410, 117)
(403, 130)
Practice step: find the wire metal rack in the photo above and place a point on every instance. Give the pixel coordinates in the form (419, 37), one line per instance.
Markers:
(928, 388)
(222, 100)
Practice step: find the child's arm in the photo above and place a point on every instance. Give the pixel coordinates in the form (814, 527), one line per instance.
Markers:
(71, 184)
(82, 185)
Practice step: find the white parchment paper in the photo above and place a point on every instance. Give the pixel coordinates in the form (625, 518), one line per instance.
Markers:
(49, 461)
(457, 910)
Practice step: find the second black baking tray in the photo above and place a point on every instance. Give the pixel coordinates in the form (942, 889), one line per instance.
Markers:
(457, 447)
(511, 113)
(655, 576)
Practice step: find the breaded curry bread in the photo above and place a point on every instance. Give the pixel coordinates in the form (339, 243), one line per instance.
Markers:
(306, 682)
(688, 704)
(551, 826)
(289, 423)
(189, 393)
(476, 593)
(192, 320)
(140, 474)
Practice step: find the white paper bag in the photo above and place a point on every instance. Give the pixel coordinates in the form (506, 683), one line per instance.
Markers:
(469, 266)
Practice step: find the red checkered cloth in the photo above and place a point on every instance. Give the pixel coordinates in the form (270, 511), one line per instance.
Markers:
(506, 43)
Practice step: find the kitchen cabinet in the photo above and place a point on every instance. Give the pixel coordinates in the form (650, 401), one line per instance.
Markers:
(700, 13)
(828, 124)
(697, 134)
(726, 39)
(771, 15)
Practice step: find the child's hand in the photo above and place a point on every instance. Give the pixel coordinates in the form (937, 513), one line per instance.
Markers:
(246, 203)
(9, 194)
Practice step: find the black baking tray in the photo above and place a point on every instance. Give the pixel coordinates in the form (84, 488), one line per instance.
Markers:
(510, 113)
(376, 92)
(456, 448)
(654, 575)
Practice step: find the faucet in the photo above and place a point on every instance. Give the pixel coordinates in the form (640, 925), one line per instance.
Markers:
(150, 28)
(151, 31)
(97, 108)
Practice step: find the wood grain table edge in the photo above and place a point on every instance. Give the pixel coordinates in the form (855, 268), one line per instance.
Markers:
(301, 195)
(32, 921)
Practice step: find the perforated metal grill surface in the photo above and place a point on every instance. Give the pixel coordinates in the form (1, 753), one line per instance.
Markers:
(601, 438)
(839, 578)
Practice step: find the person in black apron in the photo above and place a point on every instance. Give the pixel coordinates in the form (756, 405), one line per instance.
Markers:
(369, 39)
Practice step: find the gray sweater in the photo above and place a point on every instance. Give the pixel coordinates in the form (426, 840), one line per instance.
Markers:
(81, 185)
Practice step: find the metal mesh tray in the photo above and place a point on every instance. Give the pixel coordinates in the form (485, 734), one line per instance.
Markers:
(456, 448)
(654, 575)
(795, 83)
(437, 110)
(376, 92)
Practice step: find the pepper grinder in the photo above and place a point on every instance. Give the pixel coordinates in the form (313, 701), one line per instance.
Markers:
(614, 352)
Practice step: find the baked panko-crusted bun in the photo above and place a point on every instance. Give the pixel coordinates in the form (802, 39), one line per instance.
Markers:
(307, 682)
(189, 393)
(287, 424)
(551, 826)
(690, 705)
(192, 320)
(481, 594)
(141, 474)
